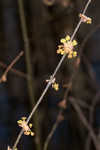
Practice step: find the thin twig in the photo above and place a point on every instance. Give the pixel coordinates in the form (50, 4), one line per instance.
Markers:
(53, 75)
(4, 76)
(85, 122)
(93, 105)
(52, 131)
(83, 104)
(87, 38)
(15, 71)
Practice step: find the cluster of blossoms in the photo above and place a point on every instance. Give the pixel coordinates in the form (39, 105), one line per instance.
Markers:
(55, 85)
(67, 47)
(85, 19)
(27, 128)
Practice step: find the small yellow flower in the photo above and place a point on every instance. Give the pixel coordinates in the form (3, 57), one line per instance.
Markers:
(24, 118)
(67, 38)
(60, 51)
(30, 125)
(74, 42)
(60, 46)
(63, 40)
(19, 121)
(27, 128)
(32, 133)
(74, 54)
(55, 86)
(89, 21)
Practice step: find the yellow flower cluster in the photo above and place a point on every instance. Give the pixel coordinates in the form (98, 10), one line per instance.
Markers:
(55, 85)
(22, 123)
(86, 19)
(67, 47)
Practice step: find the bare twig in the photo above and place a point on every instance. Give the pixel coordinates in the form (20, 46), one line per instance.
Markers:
(15, 71)
(4, 76)
(55, 125)
(52, 131)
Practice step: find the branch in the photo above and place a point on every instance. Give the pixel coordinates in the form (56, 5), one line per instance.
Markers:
(52, 76)
(4, 76)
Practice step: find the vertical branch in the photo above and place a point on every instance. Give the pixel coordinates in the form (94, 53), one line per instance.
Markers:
(29, 67)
